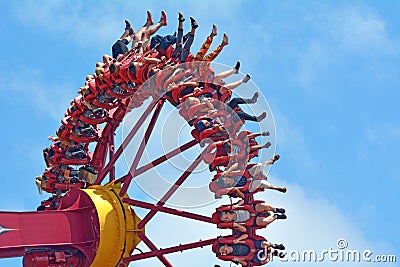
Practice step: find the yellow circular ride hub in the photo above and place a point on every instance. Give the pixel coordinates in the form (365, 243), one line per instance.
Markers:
(118, 225)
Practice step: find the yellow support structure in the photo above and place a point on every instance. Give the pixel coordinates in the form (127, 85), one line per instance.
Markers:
(118, 225)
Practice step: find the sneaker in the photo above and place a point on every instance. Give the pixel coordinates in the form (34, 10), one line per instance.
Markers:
(254, 100)
(265, 133)
(163, 19)
(202, 144)
(280, 216)
(127, 25)
(193, 23)
(282, 189)
(214, 30)
(149, 18)
(132, 33)
(279, 246)
(225, 39)
(181, 18)
(236, 68)
(246, 78)
(280, 210)
(210, 168)
(261, 117)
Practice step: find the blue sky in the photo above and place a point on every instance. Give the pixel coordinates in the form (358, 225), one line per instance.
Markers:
(329, 69)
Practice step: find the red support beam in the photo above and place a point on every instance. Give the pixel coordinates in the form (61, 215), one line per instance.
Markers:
(75, 225)
(160, 160)
(142, 147)
(179, 248)
(171, 191)
(111, 154)
(124, 144)
(153, 248)
(176, 212)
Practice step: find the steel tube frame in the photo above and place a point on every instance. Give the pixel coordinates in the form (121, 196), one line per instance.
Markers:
(142, 147)
(171, 191)
(160, 160)
(156, 253)
(111, 154)
(127, 140)
(176, 212)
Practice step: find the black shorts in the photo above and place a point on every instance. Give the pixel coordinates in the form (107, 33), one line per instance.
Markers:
(120, 47)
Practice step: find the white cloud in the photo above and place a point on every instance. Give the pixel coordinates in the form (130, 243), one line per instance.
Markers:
(314, 223)
(86, 23)
(51, 99)
(360, 29)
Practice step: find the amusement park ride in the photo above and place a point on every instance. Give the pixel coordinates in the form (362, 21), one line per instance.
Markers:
(89, 220)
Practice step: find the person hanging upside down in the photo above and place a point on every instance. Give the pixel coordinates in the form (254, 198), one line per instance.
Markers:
(183, 52)
(243, 250)
(232, 149)
(240, 214)
(121, 45)
(235, 153)
(219, 89)
(201, 55)
(234, 105)
(202, 125)
(236, 183)
(218, 79)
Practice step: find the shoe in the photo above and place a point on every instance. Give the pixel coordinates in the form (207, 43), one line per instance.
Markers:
(265, 133)
(282, 254)
(280, 216)
(214, 30)
(279, 246)
(246, 78)
(254, 100)
(191, 122)
(131, 32)
(276, 157)
(236, 68)
(280, 210)
(282, 189)
(275, 253)
(149, 19)
(210, 168)
(261, 117)
(127, 25)
(202, 144)
(181, 18)
(163, 19)
(225, 39)
(193, 23)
